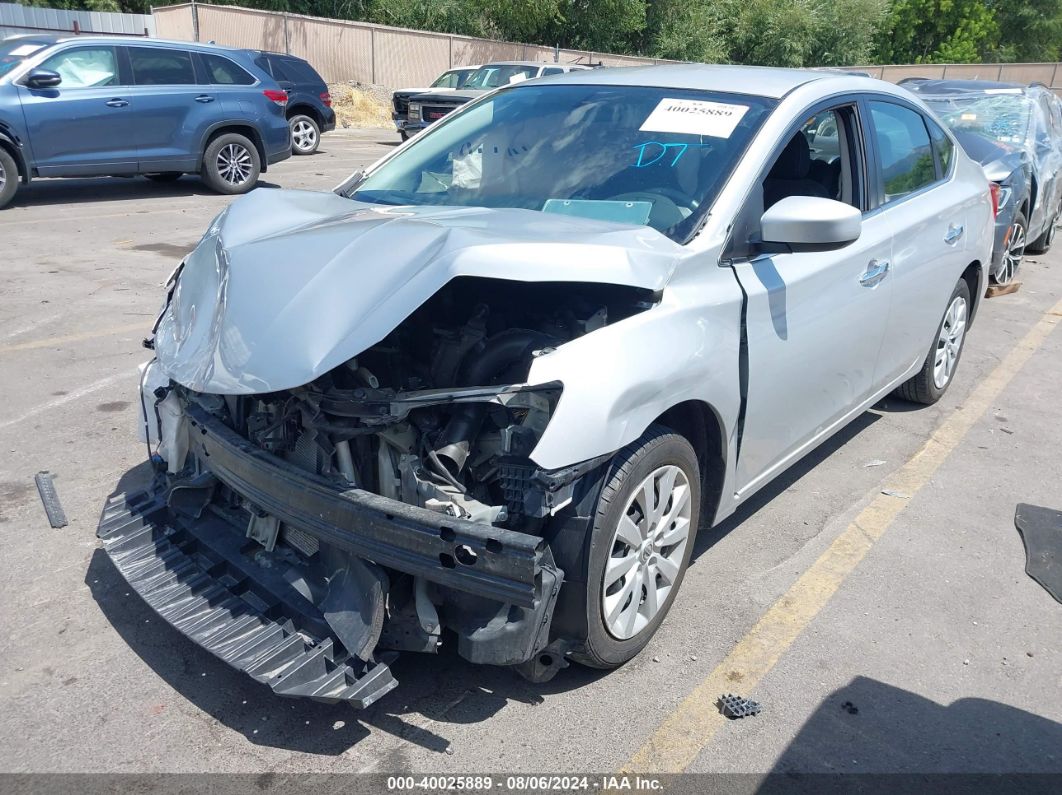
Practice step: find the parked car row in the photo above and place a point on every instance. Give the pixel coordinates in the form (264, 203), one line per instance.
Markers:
(105, 106)
(1015, 132)
(416, 108)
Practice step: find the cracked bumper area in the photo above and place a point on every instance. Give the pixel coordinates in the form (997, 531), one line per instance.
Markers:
(196, 577)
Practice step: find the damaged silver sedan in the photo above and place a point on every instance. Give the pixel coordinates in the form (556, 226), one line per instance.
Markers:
(486, 392)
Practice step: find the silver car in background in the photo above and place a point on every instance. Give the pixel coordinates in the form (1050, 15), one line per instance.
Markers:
(493, 385)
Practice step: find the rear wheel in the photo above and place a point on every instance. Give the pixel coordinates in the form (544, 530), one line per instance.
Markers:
(1016, 242)
(938, 371)
(639, 546)
(8, 177)
(231, 164)
(305, 135)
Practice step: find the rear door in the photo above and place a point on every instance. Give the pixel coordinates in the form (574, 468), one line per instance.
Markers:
(926, 211)
(815, 320)
(83, 126)
(169, 102)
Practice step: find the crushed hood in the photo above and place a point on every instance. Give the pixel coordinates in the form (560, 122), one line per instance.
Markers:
(287, 285)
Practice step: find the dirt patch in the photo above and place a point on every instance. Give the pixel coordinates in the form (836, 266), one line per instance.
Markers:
(359, 105)
(116, 405)
(169, 249)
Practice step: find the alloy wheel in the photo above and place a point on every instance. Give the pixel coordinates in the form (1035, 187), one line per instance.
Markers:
(235, 164)
(3, 177)
(949, 343)
(646, 553)
(1013, 255)
(303, 135)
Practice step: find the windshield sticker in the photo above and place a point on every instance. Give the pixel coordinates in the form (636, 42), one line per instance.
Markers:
(25, 49)
(694, 117)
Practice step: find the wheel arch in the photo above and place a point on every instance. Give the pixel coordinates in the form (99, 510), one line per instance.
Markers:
(974, 276)
(8, 145)
(700, 424)
(240, 128)
(305, 109)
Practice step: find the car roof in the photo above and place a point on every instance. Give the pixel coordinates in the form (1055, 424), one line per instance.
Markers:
(764, 81)
(530, 63)
(922, 85)
(136, 41)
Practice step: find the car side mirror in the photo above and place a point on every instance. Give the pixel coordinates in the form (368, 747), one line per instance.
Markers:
(43, 78)
(808, 223)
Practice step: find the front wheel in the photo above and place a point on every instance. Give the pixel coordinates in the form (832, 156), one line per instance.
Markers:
(8, 177)
(639, 545)
(231, 164)
(939, 368)
(305, 135)
(1015, 251)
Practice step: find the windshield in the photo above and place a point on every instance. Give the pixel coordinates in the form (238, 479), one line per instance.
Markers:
(1000, 117)
(495, 76)
(652, 156)
(12, 53)
(452, 79)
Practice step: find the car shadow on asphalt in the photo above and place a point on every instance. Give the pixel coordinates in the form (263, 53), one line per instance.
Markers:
(48, 192)
(434, 691)
(870, 728)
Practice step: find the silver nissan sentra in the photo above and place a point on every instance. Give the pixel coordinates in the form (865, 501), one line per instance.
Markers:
(486, 391)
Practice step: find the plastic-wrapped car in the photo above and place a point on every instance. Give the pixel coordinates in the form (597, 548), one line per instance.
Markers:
(1015, 132)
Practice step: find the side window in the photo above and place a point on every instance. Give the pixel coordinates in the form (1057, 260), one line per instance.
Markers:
(263, 63)
(818, 160)
(279, 72)
(223, 72)
(904, 152)
(154, 66)
(448, 80)
(942, 145)
(552, 70)
(85, 67)
(300, 71)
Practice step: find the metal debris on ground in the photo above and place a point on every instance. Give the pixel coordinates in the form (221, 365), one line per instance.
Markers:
(50, 498)
(732, 706)
(898, 494)
(877, 462)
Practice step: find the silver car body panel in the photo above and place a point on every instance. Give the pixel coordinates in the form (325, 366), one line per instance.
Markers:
(272, 308)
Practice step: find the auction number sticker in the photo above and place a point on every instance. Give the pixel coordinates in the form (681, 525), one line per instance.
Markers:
(694, 117)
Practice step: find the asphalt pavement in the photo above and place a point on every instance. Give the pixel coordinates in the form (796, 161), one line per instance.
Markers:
(880, 633)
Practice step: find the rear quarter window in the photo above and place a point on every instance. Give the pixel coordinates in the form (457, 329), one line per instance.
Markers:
(221, 71)
(299, 71)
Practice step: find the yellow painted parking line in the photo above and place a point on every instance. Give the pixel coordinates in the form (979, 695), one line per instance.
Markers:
(143, 326)
(684, 733)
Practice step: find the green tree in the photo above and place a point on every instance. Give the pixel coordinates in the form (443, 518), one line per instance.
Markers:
(1029, 30)
(683, 30)
(937, 31)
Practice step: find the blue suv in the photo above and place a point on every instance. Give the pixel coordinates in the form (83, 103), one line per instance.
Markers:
(102, 106)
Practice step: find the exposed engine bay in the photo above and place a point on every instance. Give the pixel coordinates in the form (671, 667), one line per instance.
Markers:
(438, 416)
(407, 419)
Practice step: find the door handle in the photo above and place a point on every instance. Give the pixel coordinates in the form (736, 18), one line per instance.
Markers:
(875, 272)
(117, 103)
(204, 98)
(953, 234)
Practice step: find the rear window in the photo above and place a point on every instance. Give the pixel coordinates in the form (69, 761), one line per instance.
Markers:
(296, 71)
(223, 72)
(154, 66)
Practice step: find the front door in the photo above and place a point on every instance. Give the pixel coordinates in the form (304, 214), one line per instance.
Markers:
(815, 321)
(82, 126)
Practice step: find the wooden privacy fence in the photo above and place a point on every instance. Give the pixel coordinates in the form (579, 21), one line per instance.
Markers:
(395, 57)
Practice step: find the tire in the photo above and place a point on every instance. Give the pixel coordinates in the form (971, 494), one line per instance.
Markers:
(931, 383)
(1016, 245)
(305, 135)
(1042, 244)
(617, 627)
(165, 176)
(8, 178)
(231, 164)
